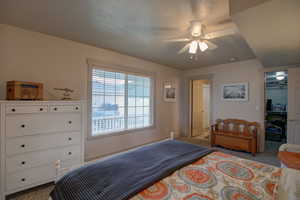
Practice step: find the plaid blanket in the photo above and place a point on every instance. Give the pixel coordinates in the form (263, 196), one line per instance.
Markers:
(123, 176)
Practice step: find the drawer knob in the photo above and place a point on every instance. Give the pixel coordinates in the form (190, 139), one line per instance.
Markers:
(13, 110)
(70, 153)
(70, 122)
(41, 109)
(69, 138)
(55, 109)
(23, 126)
(23, 145)
(23, 162)
(23, 179)
(76, 108)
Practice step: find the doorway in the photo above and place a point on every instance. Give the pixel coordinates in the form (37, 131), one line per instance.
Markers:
(200, 109)
(276, 112)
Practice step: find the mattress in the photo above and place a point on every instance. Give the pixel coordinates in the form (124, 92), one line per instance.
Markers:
(210, 176)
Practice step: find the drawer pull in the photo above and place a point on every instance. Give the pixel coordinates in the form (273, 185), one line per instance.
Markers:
(69, 138)
(23, 126)
(76, 108)
(41, 109)
(23, 162)
(55, 109)
(13, 110)
(70, 122)
(70, 153)
(23, 179)
(23, 145)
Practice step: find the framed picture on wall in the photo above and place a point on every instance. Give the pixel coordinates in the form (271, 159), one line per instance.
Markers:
(235, 92)
(169, 91)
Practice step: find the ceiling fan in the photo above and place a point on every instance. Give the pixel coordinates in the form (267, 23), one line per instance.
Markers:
(280, 75)
(200, 34)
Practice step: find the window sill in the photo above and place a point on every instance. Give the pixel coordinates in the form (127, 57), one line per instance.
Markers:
(125, 132)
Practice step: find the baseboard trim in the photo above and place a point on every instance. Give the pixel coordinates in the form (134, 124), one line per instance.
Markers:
(88, 159)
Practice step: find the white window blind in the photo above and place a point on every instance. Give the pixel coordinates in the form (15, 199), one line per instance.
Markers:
(120, 101)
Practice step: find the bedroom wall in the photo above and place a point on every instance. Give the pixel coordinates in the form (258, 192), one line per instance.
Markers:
(32, 56)
(247, 71)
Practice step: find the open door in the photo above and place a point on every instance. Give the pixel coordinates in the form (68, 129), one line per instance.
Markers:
(200, 110)
(293, 126)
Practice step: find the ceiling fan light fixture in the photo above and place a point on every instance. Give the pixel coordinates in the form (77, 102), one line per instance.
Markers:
(193, 47)
(280, 76)
(203, 46)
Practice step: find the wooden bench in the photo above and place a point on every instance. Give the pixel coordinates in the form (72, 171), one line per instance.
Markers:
(235, 134)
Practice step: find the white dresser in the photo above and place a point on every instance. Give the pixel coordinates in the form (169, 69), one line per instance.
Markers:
(35, 136)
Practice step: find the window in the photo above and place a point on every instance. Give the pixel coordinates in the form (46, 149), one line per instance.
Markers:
(120, 101)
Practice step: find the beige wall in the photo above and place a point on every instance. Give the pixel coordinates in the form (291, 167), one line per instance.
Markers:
(31, 56)
(247, 71)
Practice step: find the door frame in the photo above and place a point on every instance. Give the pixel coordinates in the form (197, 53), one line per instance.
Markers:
(189, 100)
(263, 93)
(209, 104)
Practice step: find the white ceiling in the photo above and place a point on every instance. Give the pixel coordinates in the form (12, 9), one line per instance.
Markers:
(139, 27)
(272, 30)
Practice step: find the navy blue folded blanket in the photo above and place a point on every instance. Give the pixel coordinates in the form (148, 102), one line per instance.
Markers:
(123, 176)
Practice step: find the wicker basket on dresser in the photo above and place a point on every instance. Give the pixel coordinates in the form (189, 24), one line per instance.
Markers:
(35, 135)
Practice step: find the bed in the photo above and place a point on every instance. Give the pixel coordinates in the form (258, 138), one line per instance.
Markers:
(196, 174)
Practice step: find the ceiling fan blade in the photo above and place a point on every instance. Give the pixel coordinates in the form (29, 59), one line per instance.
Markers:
(184, 49)
(222, 25)
(178, 40)
(211, 46)
(152, 29)
(220, 33)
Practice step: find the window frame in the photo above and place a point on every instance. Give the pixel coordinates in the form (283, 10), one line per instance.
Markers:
(93, 64)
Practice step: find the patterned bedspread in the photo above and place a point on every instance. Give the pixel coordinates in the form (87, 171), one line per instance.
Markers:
(217, 176)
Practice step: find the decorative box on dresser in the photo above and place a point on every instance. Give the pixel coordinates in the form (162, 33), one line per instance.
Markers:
(35, 136)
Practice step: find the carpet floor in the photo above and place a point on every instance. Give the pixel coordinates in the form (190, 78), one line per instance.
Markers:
(268, 157)
(37, 193)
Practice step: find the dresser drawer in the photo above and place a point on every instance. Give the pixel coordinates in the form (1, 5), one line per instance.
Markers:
(33, 177)
(31, 124)
(35, 159)
(65, 108)
(26, 109)
(25, 144)
(30, 176)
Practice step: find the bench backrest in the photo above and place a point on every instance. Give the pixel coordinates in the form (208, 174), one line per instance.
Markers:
(237, 126)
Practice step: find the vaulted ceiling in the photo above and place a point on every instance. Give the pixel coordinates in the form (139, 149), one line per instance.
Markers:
(272, 30)
(140, 27)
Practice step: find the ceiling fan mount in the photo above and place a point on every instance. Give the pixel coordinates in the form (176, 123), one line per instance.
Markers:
(196, 28)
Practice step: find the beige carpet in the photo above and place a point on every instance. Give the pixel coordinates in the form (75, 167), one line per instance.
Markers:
(38, 193)
(267, 157)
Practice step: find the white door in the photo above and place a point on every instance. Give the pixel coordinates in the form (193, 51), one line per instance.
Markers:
(206, 107)
(293, 125)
